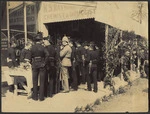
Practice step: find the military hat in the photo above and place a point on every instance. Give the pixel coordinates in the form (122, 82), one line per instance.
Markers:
(38, 37)
(79, 41)
(85, 43)
(92, 43)
(65, 38)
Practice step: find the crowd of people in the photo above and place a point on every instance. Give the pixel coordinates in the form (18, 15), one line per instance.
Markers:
(58, 68)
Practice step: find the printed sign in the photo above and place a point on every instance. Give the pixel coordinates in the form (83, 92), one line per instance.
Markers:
(4, 43)
(55, 12)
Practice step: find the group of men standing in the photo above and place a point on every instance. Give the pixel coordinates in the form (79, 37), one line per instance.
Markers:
(61, 67)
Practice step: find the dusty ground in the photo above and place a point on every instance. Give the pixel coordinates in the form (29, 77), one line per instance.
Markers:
(67, 102)
(61, 102)
(135, 99)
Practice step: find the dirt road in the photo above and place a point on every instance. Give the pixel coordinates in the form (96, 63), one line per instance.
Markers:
(135, 99)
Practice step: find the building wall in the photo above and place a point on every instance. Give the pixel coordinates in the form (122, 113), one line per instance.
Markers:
(51, 12)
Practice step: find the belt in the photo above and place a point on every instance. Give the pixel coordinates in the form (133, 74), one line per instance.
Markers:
(68, 57)
(38, 59)
(52, 58)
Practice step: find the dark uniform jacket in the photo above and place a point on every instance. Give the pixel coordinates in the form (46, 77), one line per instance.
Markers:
(94, 57)
(52, 55)
(39, 56)
(25, 54)
(73, 54)
(79, 52)
(87, 56)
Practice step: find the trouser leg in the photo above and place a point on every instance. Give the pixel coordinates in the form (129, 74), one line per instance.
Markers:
(94, 76)
(70, 76)
(35, 73)
(42, 83)
(77, 74)
(82, 74)
(46, 83)
(86, 72)
(75, 82)
(89, 82)
(65, 76)
(57, 80)
(51, 81)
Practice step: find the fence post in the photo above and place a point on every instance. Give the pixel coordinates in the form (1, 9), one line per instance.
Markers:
(25, 22)
(8, 29)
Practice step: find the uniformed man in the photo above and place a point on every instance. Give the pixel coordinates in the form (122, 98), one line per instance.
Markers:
(94, 56)
(99, 65)
(87, 59)
(50, 68)
(80, 52)
(39, 57)
(73, 74)
(65, 54)
(57, 82)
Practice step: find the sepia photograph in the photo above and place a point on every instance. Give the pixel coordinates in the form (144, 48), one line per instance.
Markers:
(74, 56)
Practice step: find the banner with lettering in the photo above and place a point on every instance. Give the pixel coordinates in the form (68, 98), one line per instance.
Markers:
(57, 12)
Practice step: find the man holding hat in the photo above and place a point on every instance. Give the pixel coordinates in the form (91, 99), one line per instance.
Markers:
(65, 55)
(39, 57)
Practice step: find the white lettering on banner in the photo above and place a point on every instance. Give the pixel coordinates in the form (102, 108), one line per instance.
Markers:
(53, 12)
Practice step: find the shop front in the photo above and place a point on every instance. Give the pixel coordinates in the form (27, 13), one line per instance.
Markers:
(74, 20)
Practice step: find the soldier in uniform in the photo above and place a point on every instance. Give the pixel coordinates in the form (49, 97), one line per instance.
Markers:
(50, 68)
(57, 82)
(65, 56)
(87, 59)
(99, 65)
(80, 52)
(92, 77)
(73, 74)
(39, 57)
